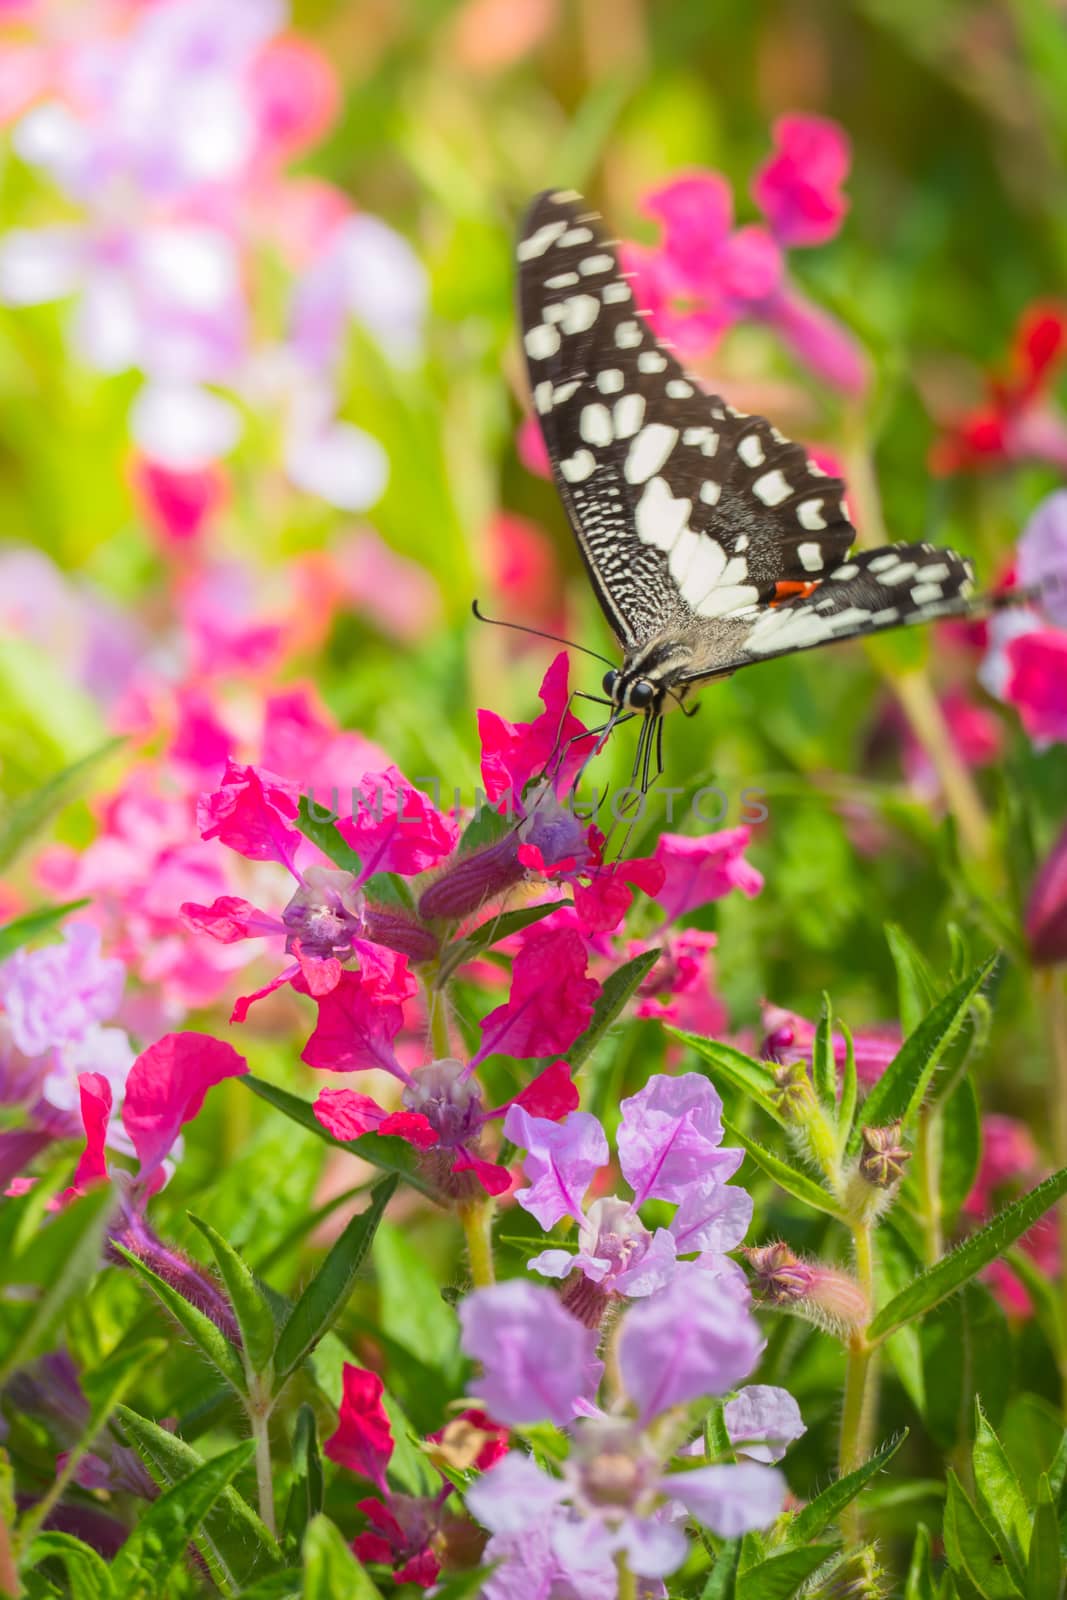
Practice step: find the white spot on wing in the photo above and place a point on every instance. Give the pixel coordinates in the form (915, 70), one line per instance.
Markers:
(580, 312)
(615, 293)
(679, 389)
(628, 335)
(772, 488)
(710, 492)
(750, 450)
(809, 515)
(924, 593)
(651, 361)
(576, 236)
(591, 264)
(810, 556)
(609, 380)
(562, 280)
(543, 396)
(659, 517)
(629, 415)
(538, 242)
(578, 467)
(595, 425)
(541, 342)
(649, 451)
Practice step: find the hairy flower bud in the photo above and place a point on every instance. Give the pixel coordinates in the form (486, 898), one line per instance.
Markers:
(191, 1281)
(793, 1093)
(823, 1295)
(397, 932)
(858, 1575)
(472, 881)
(883, 1157)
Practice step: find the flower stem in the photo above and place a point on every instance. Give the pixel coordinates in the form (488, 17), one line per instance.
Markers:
(860, 1402)
(259, 1416)
(627, 1588)
(437, 1012)
(477, 1219)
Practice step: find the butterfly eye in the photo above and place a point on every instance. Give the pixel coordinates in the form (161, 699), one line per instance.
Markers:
(642, 694)
(610, 680)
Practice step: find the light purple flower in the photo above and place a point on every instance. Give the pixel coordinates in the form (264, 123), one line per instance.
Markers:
(56, 995)
(668, 1149)
(670, 1135)
(537, 1360)
(367, 272)
(688, 1341)
(730, 1500)
(1042, 556)
(762, 1421)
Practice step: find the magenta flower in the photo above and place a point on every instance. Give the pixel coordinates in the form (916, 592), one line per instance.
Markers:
(798, 188)
(697, 871)
(788, 1037)
(444, 1114)
(1026, 659)
(395, 828)
(513, 753)
(679, 989)
(615, 1494)
(668, 1144)
(1046, 909)
(551, 999)
(252, 811)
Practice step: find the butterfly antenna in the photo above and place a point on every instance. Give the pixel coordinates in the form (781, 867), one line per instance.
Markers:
(539, 633)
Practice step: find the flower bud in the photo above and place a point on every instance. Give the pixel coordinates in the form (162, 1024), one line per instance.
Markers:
(858, 1575)
(793, 1093)
(472, 881)
(392, 928)
(1046, 911)
(883, 1157)
(191, 1282)
(823, 1295)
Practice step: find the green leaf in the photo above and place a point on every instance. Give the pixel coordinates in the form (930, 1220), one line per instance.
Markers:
(87, 1574)
(388, 1154)
(209, 1340)
(962, 1264)
(917, 988)
(823, 1065)
(616, 992)
(717, 1443)
(961, 1145)
(14, 934)
(492, 930)
(1000, 1494)
(306, 1494)
(71, 1245)
(787, 1177)
(324, 834)
(25, 820)
(324, 1297)
(846, 1110)
(722, 1580)
(250, 1306)
(901, 1089)
(750, 1076)
(331, 1571)
(486, 827)
(1044, 1570)
(808, 1523)
(232, 1540)
(920, 1580)
(159, 1537)
(410, 1306)
(288, 1584)
(465, 1585)
(782, 1575)
(971, 1548)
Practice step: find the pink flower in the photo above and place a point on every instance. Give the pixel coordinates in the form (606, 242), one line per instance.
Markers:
(58, 994)
(1037, 683)
(1046, 909)
(252, 812)
(1010, 1164)
(551, 1000)
(537, 1360)
(789, 1037)
(531, 448)
(799, 187)
(515, 752)
(166, 1089)
(360, 1017)
(363, 1440)
(762, 1421)
(1042, 557)
(697, 871)
(679, 989)
(398, 595)
(179, 505)
(1018, 421)
(395, 827)
(95, 1113)
(296, 96)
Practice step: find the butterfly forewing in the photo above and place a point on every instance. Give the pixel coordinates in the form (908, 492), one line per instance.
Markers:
(683, 508)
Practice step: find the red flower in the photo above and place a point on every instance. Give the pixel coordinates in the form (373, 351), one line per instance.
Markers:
(1015, 423)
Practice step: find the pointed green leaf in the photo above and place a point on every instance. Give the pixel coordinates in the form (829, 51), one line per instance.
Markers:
(72, 1245)
(87, 1573)
(250, 1306)
(823, 1065)
(410, 1307)
(306, 1494)
(961, 1145)
(324, 1297)
(331, 1571)
(781, 1576)
(160, 1535)
(753, 1078)
(957, 1268)
(617, 990)
(322, 831)
(917, 987)
(1045, 1569)
(717, 1443)
(465, 1585)
(14, 934)
(388, 1154)
(233, 1541)
(789, 1178)
(493, 929)
(288, 1584)
(722, 1580)
(209, 1340)
(809, 1522)
(920, 1580)
(901, 1089)
(1057, 1472)
(846, 1110)
(25, 820)
(1000, 1495)
(971, 1548)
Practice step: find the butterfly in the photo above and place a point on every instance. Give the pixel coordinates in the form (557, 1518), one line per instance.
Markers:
(712, 541)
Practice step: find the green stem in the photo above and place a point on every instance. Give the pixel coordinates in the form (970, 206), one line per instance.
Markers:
(477, 1219)
(860, 1402)
(259, 1416)
(9, 1577)
(627, 1587)
(928, 1164)
(1052, 995)
(437, 1013)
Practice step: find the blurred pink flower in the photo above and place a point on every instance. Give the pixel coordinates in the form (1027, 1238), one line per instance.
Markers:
(531, 448)
(679, 989)
(179, 506)
(788, 1037)
(976, 732)
(798, 188)
(513, 753)
(700, 870)
(295, 96)
(398, 595)
(1046, 908)
(1018, 421)
(523, 568)
(1010, 1164)
(1025, 663)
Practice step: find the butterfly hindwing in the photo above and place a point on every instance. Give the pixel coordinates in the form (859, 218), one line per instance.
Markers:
(683, 508)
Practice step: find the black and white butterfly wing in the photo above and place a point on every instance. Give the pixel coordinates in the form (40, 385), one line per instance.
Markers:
(691, 517)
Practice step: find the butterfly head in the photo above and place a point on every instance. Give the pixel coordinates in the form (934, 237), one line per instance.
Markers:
(632, 691)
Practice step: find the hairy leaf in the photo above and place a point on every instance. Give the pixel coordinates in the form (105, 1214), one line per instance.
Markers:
(788, 1177)
(809, 1522)
(389, 1154)
(752, 1077)
(250, 1306)
(209, 1339)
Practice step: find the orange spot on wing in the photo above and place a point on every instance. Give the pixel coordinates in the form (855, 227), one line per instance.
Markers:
(793, 591)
